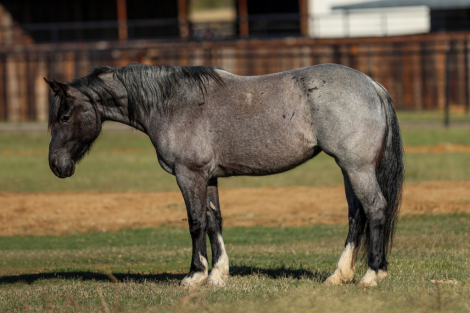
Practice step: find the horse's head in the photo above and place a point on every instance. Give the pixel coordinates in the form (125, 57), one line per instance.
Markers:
(74, 124)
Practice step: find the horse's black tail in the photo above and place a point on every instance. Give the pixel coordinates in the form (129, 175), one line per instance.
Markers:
(390, 173)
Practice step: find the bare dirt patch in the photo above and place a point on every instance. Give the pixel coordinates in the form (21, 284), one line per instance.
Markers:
(440, 148)
(71, 212)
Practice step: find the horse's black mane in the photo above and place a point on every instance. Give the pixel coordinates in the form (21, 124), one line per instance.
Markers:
(146, 85)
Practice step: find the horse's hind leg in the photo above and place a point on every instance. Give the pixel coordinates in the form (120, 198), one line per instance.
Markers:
(193, 186)
(365, 186)
(220, 264)
(346, 268)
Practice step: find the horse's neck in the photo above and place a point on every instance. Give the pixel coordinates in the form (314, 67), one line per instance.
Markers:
(120, 113)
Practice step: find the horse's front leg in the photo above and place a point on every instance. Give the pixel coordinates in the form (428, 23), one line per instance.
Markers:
(220, 264)
(193, 186)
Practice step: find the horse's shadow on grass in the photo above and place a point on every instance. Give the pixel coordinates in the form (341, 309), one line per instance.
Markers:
(240, 271)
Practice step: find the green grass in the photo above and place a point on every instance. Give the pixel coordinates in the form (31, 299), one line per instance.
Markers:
(272, 268)
(434, 136)
(127, 161)
(431, 116)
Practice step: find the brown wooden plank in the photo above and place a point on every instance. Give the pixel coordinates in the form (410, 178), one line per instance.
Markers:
(183, 19)
(41, 90)
(12, 89)
(416, 65)
(23, 86)
(440, 70)
(122, 19)
(304, 17)
(243, 18)
(3, 108)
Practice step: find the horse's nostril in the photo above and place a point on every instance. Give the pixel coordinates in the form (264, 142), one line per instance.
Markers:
(56, 170)
(70, 169)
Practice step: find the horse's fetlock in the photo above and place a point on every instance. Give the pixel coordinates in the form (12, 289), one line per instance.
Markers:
(213, 229)
(374, 264)
(383, 266)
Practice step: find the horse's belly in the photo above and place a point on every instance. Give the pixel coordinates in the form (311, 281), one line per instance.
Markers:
(265, 155)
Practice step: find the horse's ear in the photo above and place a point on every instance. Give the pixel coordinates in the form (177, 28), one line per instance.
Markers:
(56, 86)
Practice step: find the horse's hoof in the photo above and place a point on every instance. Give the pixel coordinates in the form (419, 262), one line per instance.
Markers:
(216, 278)
(333, 280)
(363, 284)
(216, 283)
(197, 279)
(369, 280)
(381, 274)
(340, 277)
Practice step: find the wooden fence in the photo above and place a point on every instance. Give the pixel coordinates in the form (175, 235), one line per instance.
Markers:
(416, 70)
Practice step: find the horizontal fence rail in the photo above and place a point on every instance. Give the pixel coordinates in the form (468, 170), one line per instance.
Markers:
(339, 24)
(420, 71)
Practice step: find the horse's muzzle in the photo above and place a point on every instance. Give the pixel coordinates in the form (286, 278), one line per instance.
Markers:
(62, 168)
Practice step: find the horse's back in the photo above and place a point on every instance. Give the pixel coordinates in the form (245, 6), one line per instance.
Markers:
(334, 100)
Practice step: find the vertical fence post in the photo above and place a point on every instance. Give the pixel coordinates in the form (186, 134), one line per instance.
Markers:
(183, 19)
(243, 18)
(303, 10)
(447, 107)
(122, 19)
(3, 103)
(467, 77)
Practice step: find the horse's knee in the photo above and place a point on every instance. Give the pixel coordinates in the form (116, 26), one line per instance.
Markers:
(197, 226)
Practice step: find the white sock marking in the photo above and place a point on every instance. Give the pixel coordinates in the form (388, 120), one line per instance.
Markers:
(345, 269)
(198, 277)
(220, 272)
(381, 274)
(369, 279)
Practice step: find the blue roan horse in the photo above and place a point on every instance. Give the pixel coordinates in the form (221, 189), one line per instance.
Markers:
(207, 123)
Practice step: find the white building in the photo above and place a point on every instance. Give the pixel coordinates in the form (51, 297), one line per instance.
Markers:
(354, 18)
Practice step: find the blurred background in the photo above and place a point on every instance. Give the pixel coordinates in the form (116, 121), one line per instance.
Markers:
(418, 49)
(121, 213)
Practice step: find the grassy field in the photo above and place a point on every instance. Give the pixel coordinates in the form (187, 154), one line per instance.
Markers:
(127, 161)
(431, 116)
(272, 268)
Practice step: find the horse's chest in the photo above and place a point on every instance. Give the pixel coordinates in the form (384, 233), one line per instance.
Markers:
(166, 157)
(168, 166)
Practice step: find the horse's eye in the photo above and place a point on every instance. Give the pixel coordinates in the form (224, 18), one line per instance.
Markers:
(65, 118)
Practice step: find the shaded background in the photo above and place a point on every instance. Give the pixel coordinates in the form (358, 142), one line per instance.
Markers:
(419, 49)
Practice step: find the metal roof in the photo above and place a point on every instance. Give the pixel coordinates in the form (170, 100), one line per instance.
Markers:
(432, 4)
